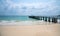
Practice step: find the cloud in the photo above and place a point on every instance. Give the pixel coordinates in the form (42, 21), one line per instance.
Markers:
(7, 7)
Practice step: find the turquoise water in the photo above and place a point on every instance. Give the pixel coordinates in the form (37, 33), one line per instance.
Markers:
(22, 18)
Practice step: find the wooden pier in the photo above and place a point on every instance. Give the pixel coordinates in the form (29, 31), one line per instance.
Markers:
(45, 18)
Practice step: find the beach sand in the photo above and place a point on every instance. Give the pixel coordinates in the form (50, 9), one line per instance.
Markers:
(37, 29)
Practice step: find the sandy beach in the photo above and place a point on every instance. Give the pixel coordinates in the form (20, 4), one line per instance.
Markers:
(29, 28)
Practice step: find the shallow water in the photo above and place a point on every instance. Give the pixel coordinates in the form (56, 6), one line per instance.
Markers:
(19, 18)
(14, 18)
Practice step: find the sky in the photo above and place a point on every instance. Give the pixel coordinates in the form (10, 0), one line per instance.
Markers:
(30, 7)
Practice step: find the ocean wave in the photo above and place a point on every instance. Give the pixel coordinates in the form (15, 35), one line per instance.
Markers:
(14, 22)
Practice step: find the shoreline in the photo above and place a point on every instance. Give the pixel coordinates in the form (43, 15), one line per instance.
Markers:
(29, 28)
(22, 23)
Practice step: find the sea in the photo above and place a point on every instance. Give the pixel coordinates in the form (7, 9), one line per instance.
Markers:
(20, 18)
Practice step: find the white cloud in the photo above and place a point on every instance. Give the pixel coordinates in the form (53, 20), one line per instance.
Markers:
(40, 8)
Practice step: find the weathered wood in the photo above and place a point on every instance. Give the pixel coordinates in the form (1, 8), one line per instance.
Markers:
(54, 20)
(49, 19)
(35, 17)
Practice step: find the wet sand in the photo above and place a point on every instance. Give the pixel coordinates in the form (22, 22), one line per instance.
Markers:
(51, 29)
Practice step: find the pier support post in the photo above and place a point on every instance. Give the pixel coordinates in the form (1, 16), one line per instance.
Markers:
(45, 19)
(54, 20)
(49, 19)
